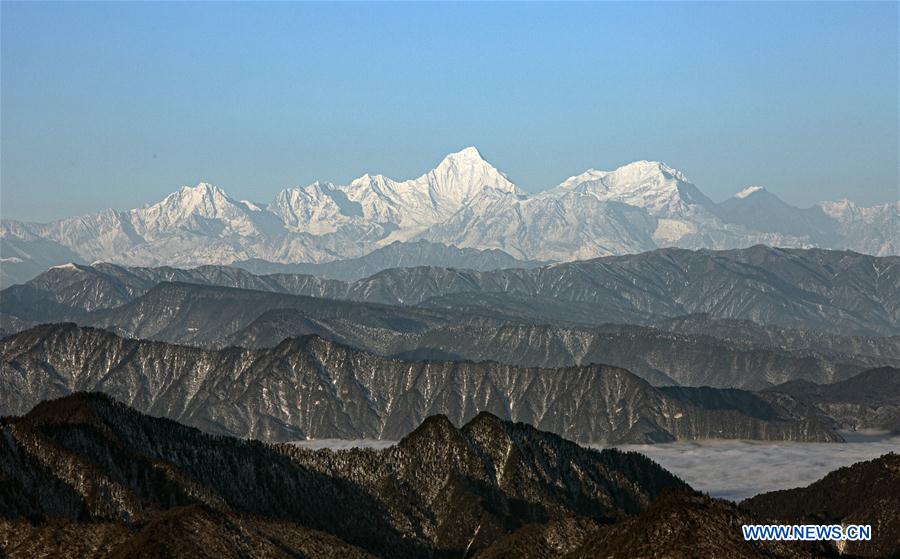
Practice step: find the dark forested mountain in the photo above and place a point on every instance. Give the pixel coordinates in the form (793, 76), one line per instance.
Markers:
(97, 478)
(864, 493)
(837, 292)
(395, 255)
(86, 476)
(313, 388)
(869, 400)
(681, 524)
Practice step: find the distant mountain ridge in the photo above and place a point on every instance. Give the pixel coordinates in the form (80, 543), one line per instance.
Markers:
(869, 400)
(463, 202)
(837, 292)
(218, 317)
(398, 254)
(313, 388)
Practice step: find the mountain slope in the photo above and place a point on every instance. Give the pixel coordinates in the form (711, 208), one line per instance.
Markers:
(760, 210)
(685, 525)
(441, 491)
(312, 388)
(869, 400)
(208, 315)
(864, 493)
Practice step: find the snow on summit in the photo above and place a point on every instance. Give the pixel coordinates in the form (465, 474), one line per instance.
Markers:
(748, 191)
(463, 201)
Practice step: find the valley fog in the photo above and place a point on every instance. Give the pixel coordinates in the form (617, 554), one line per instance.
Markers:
(737, 470)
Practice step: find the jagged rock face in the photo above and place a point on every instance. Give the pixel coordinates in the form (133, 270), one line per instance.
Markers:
(312, 388)
(838, 292)
(864, 493)
(464, 201)
(441, 491)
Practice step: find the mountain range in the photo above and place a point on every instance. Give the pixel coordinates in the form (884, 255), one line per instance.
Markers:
(842, 293)
(311, 388)
(751, 319)
(464, 202)
(87, 476)
(869, 400)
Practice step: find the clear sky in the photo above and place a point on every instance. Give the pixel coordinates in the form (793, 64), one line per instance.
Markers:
(117, 104)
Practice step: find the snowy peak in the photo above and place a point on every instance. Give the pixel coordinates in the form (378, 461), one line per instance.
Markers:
(750, 190)
(313, 191)
(758, 199)
(69, 266)
(839, 208)
(587, 176)
(410, 205)
(630, 177)
(463, 175)
(204, 199)
(202, 209)
(466, 155)
(317, 208)
(660, 189)
(640, 169)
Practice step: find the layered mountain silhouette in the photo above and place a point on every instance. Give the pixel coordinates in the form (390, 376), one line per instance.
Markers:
(838, 292)
(311, 388)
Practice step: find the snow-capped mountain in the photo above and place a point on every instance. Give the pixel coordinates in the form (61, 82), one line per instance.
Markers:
(464, 201)
(204, 209)
(404, 207)
(661, 190)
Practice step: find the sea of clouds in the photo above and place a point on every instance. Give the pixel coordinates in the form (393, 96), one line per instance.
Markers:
(739, 469)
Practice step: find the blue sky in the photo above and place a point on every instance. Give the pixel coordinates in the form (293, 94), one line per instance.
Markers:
(117, 104)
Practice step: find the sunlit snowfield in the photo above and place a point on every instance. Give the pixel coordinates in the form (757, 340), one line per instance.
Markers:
(740, 469)
(729, 469)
